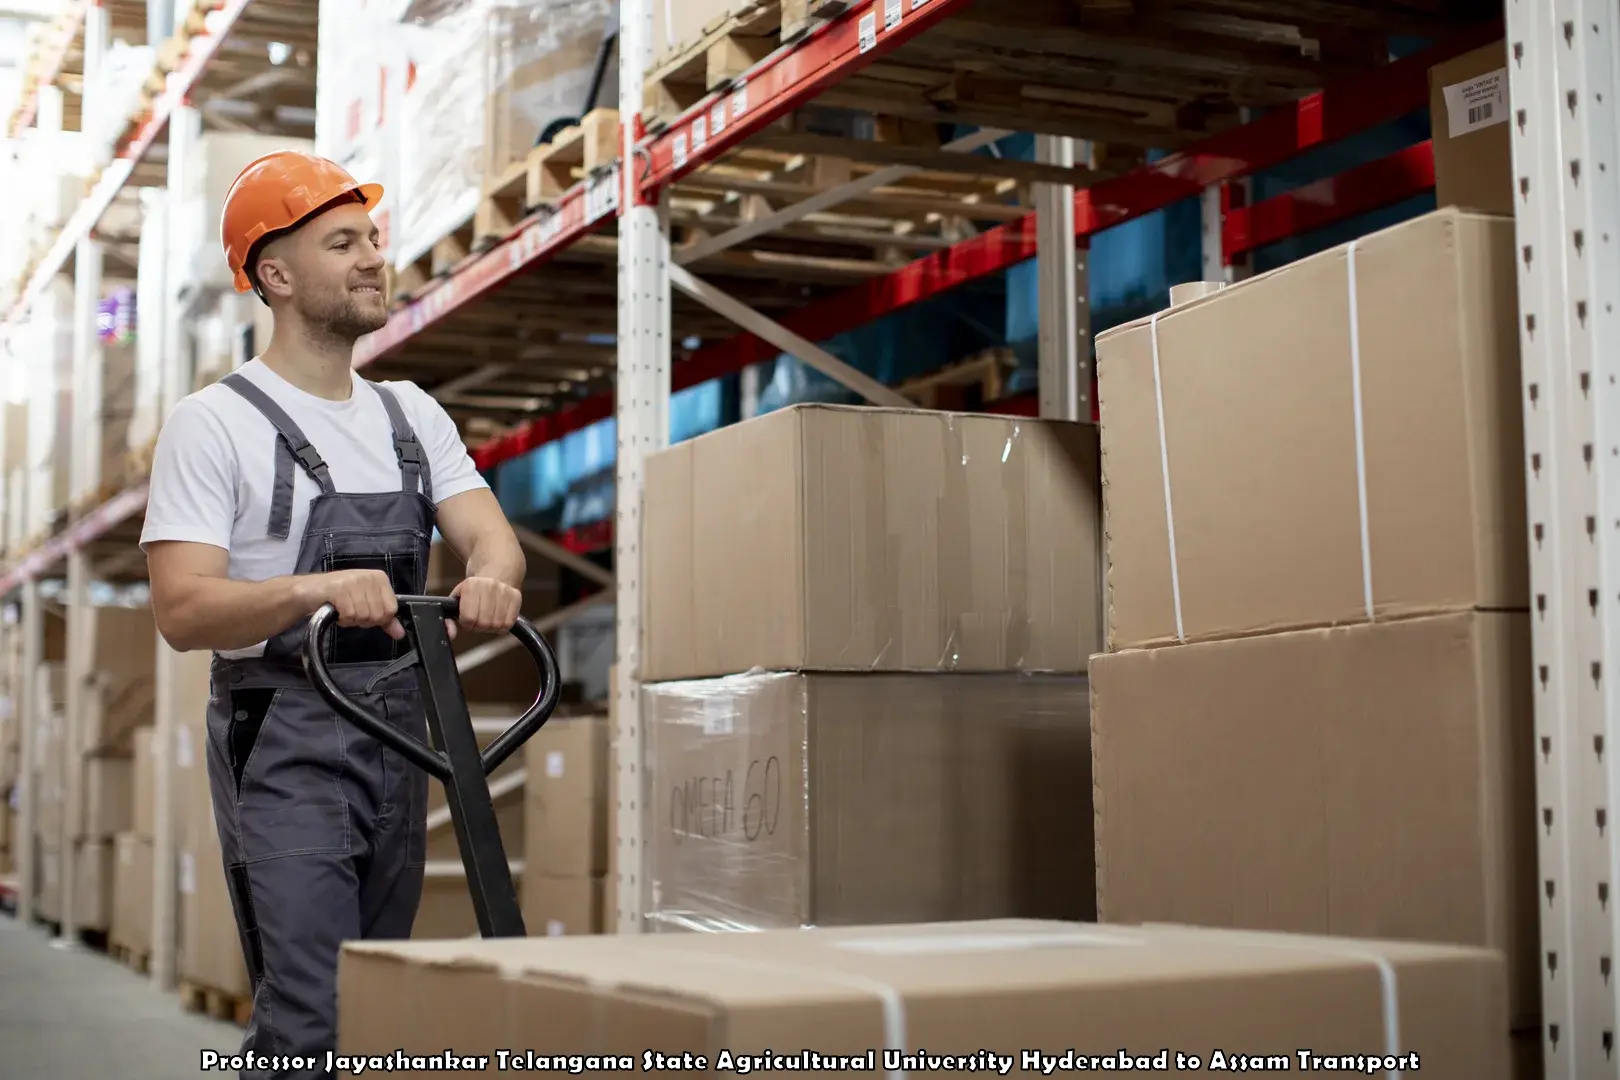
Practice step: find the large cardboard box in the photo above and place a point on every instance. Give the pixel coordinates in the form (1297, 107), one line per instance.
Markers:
(93, 884)
(783, 800)
(132, 894)
(144, 784)
(48, 878)
(990, 995)
(1473, 145)
(858, 539)
(566, 837)
(119, 677)
(109, 798)
(1366, 781)
(566, 797)
(209, 948)
(1293, 500)
(506, 785)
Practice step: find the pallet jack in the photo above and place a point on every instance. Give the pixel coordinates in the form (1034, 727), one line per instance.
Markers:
(454, 759)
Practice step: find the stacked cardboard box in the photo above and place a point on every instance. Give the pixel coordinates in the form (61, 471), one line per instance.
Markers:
(1315, 711)
(565, 866)
(116, 687)
(1473, 147)
(446, 910)
(50, 787)
(852, 618)
(132, 870)
(1005, 995)
(208, 946)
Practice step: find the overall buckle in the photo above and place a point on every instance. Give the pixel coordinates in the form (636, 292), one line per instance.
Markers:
(409, 451)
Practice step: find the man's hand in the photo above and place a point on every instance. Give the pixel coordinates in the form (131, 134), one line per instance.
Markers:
(486, 605)
(363, 598)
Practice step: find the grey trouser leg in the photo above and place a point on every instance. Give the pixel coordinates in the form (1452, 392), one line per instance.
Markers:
(321, 831)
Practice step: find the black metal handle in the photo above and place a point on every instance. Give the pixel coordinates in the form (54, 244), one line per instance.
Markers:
(412, 749)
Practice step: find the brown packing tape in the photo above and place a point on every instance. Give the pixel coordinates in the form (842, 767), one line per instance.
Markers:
(882, 549)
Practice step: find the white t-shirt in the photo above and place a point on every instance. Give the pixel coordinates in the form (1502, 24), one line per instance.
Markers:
(214, 468)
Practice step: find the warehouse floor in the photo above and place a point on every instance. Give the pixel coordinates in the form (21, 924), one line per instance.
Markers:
(76, 1013)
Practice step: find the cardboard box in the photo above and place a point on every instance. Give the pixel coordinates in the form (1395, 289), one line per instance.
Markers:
(858, 539)
(1473, 147)
(784, 800)
(555, 906)
(144, 784)
(1365, 781)
(208, 946)
(109, 797)
(1007, 987)
(446, 911)
(509, 801)
(132, 894)
(565, 831)
(1267, 539)
(47, 878)
(93, 884)
(119, 677)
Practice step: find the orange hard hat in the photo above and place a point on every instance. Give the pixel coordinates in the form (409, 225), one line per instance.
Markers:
(277, 192)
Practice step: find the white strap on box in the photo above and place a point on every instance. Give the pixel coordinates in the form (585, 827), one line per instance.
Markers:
(1361, 452)
(1388, 980)
(1164, 468)
(1361, 432)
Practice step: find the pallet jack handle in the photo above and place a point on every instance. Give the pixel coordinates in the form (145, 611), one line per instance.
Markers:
(459, 763)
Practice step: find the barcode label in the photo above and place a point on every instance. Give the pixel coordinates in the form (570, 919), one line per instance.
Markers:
(868, 31)
(1477, 103)
(891, 14)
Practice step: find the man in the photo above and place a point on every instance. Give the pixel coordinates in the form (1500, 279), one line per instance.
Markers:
(291, 484)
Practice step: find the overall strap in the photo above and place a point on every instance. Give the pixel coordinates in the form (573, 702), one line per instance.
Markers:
(292, 450)
(413, 462)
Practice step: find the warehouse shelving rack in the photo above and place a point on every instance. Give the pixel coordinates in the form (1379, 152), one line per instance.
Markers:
(1562, 56)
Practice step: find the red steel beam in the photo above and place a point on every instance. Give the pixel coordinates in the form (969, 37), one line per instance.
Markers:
(1361, 190)
(1282, 134)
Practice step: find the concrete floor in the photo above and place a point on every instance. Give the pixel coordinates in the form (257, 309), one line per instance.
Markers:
(71, 1013)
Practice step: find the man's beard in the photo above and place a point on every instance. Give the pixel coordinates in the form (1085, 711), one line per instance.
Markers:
(340, 316)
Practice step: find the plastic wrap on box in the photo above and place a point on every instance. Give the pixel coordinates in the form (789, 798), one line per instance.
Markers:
(360, 75)
(490, 76)
(783, 800)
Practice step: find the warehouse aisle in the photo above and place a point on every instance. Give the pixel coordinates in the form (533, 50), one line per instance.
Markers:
(67, 1013)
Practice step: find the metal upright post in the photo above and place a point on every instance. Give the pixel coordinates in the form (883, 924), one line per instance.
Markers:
(77, 601)
(1561, 87)
(1063, 292)
(642, 412)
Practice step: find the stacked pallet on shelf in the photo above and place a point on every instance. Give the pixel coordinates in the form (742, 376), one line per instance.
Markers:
(851, 616)
(1321, 654)
(474, 146)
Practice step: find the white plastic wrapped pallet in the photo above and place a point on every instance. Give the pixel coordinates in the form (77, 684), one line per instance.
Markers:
(146, 415)
(45, 344)
(489, 77)
(361, 74)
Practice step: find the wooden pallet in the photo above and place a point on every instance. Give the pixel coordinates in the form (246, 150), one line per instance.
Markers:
(215, 1003)
(84, 504)
(448, 252)
(729, 46)
(965, 386)
(545, 174)
(137, 960)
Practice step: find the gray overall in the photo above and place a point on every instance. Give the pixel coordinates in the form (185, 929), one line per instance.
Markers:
(323, 830)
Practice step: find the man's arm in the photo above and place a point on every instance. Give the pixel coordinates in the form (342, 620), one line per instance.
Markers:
(472, 523)
(491, 596)
(197, 607)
